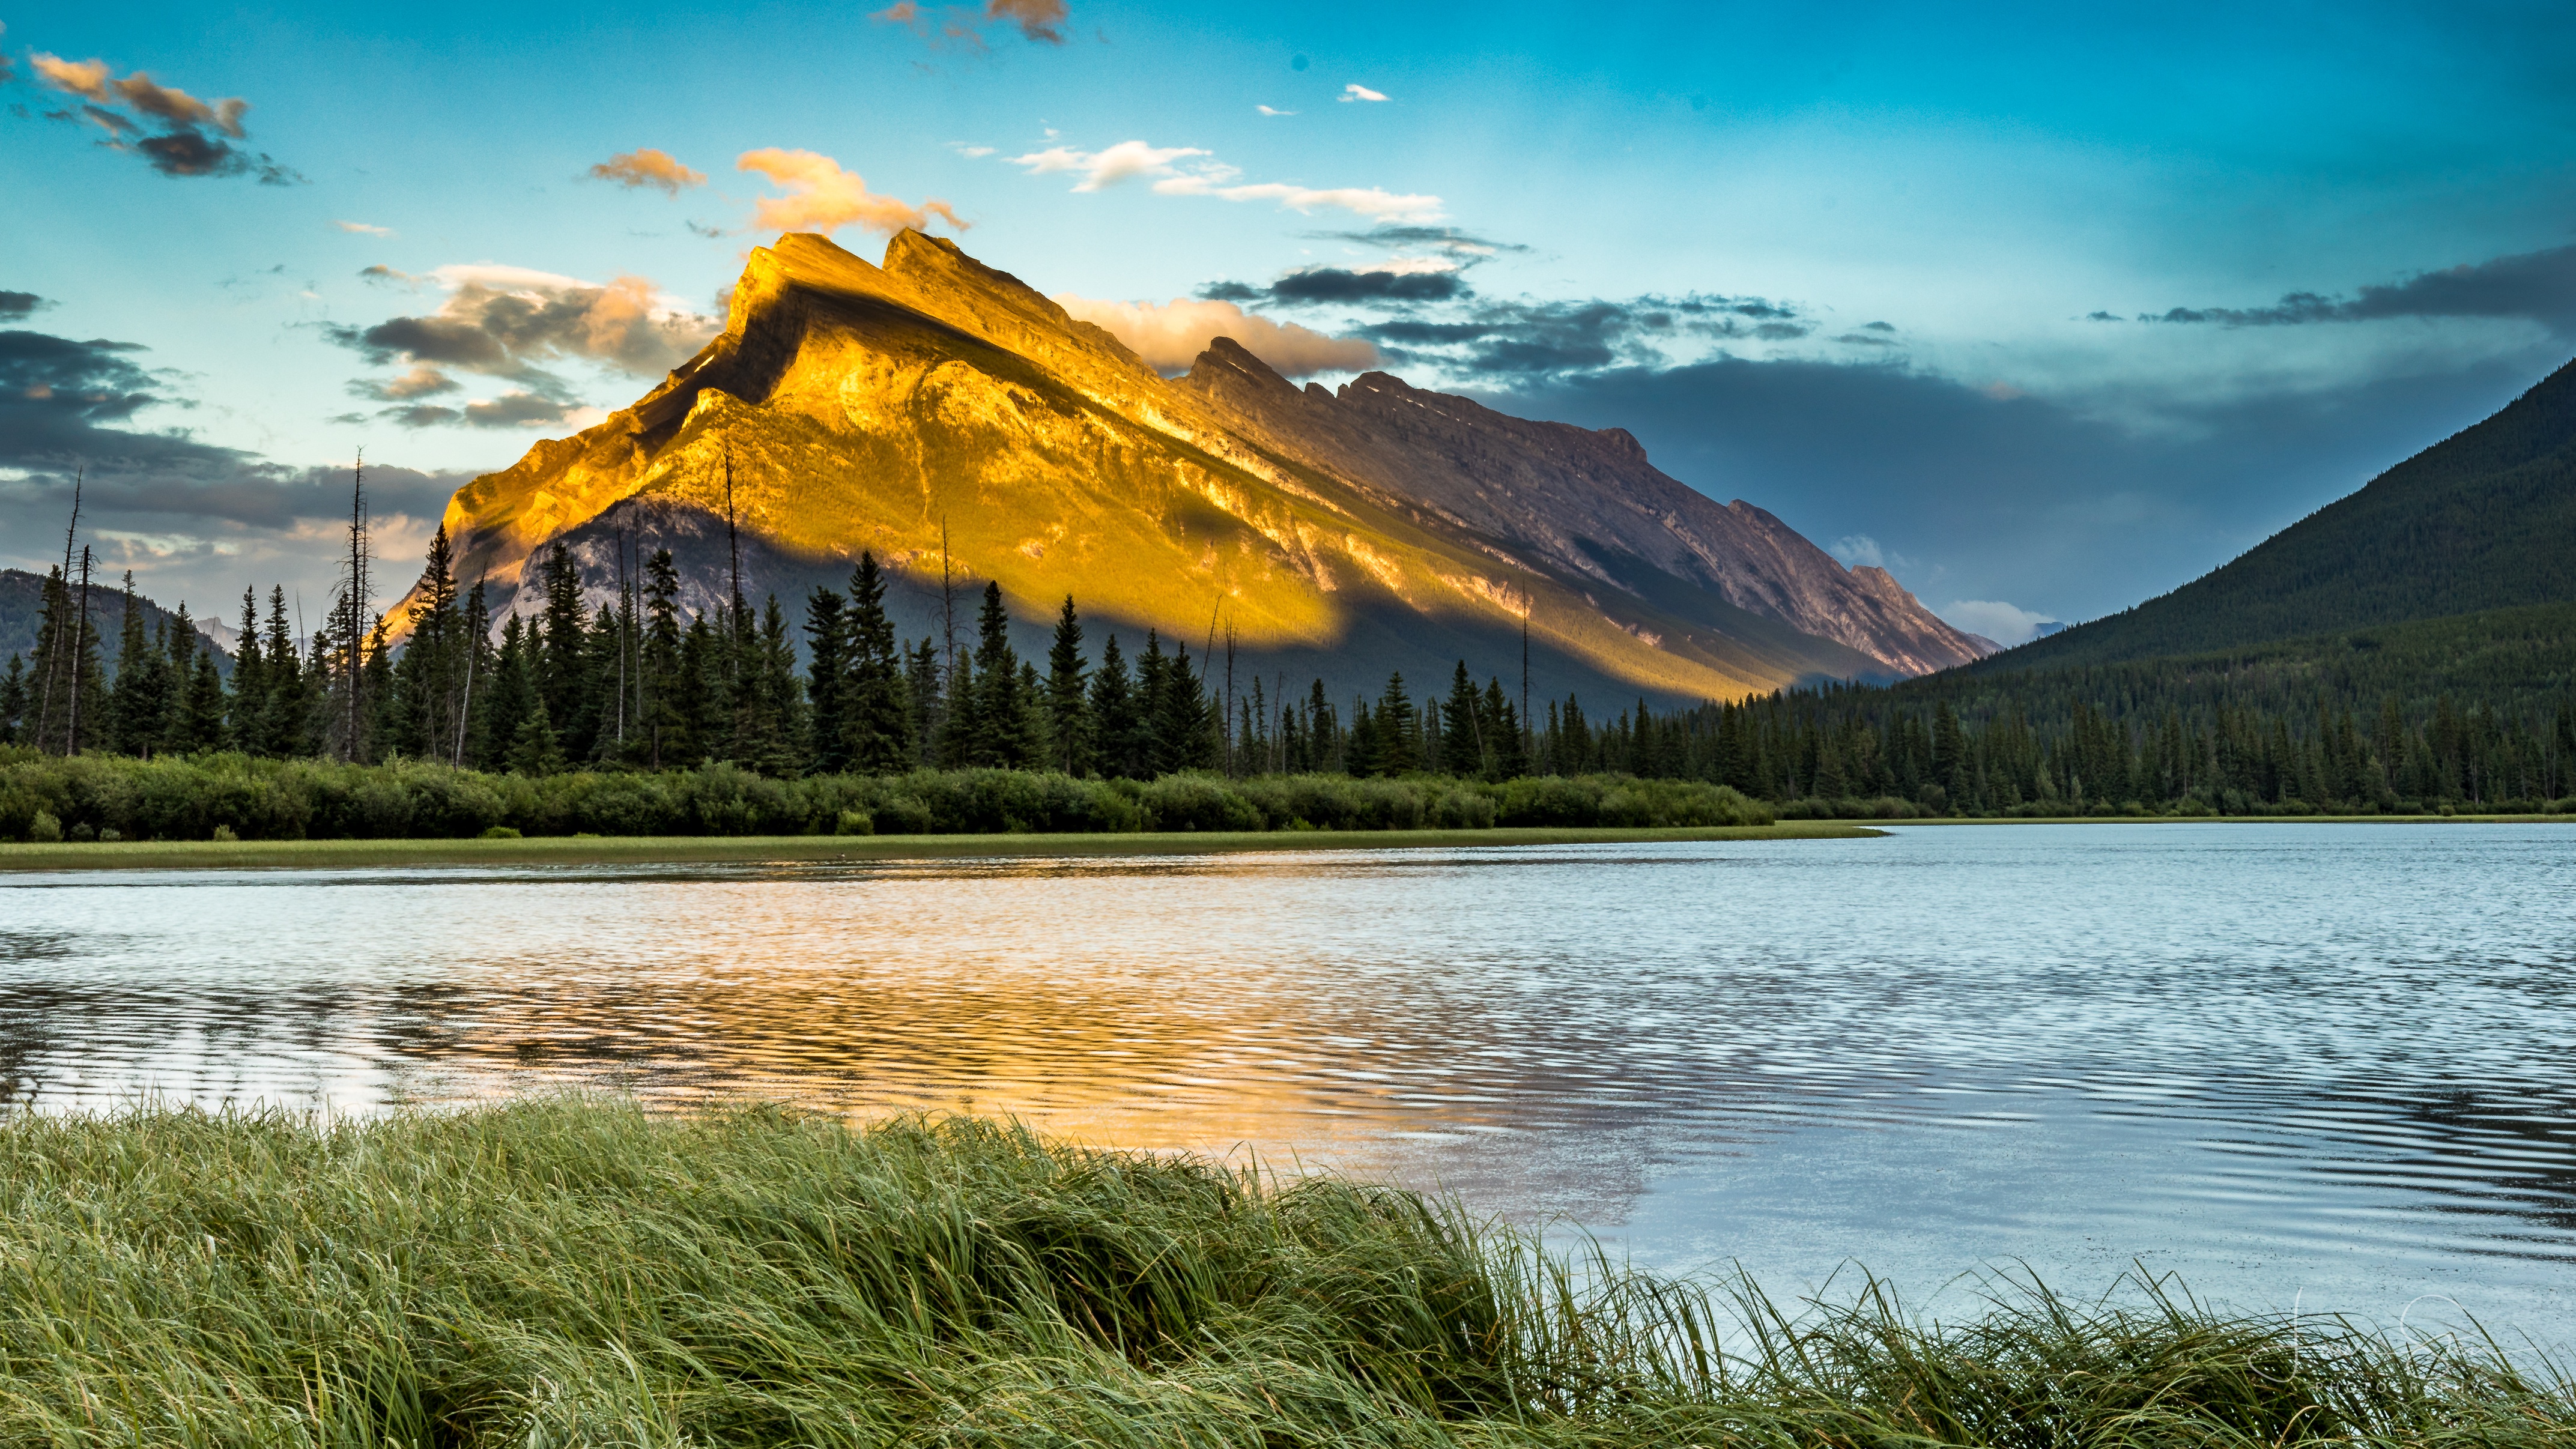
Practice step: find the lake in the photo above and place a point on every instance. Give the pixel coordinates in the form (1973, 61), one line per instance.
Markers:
(2319, 1067)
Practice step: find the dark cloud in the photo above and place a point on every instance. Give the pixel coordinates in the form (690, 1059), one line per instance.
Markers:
(1316, 285)
(1878, 327)
(1501, 338)
(509, 410)
(1869, 339)
(14, 305)
(1439, 238)
(962, 26)
(2539, 286)
(2002, 496)
(67, 404)
(190, 137)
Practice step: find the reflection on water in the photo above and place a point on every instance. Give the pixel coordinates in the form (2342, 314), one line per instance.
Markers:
(2313, 1062)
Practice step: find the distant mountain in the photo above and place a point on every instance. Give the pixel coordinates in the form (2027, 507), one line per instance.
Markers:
(942, 414)
(2485, 519)
(22, 597)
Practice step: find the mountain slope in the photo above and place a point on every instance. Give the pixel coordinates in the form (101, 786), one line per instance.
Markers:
(2485, 519)
(944, 414)
(22, 601)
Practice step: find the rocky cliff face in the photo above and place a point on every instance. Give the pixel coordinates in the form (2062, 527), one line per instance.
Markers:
(941, 414)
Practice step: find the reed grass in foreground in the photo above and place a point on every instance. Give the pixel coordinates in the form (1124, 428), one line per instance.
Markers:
(576, 1273)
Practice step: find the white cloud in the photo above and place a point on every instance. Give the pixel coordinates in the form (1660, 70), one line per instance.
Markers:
(2006, 624)
(362, 229)
(1267, 111)
(1169, 336)
(969, 152)
(1107, 167)
(1859, 550)
(1204, 175)
(1358, 92)
(824, 197)
(1367, 201)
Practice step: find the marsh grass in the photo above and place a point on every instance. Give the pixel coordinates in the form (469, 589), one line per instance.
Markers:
(571, 1272)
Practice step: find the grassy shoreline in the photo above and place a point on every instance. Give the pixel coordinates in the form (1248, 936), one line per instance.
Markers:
(683, 850)
(569, 1272)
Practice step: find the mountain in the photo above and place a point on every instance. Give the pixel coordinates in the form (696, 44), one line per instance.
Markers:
(22, 596)
(2483, 520)
(946, 415)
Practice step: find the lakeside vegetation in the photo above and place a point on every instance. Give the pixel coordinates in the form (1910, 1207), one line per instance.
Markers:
(647, 718)
(580, 1273)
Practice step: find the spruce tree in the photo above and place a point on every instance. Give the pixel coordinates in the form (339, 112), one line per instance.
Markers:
(1506, 753)
(1068, 717)
(665, 719)
(1117, 724)
(534, 750)
(382, 699)
(512, 694)
(700, 695)
(180, 646)
(827, 668)
(205, 712)
(880, 697)
(1364, 754)
(1398, 729)
(999, 732)
(139, 700)
(1462, 734)
(921, 699)
(1185, 732)
(564, 680)
(248, 701)
(13, 700)
(282, 725)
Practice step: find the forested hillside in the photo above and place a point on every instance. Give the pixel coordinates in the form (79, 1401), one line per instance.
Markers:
(2485, 519)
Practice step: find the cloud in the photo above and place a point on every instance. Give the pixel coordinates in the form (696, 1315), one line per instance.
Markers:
(21, 304)
(971, 153)
(362, 229)
(2538, 286)
(1267, 111)
(1358, 92)
(1858, 550)
(193, 520)
(2006, 624)
(1106, 168)
(1520, 337)
(1438, 238)
(1402, 280)
(512, 323)
(422, 381)
(188, 132)
(647, 167)
(823, 197)
(1169, 336)
(1204, 175)
(1041, 21)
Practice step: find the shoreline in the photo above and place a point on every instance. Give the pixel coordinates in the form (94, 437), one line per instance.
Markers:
(703, 849)
(2525, 819)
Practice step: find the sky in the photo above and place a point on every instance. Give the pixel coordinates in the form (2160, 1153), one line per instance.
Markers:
(2046, 309)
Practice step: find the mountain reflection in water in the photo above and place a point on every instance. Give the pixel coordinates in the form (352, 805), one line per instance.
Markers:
(2323, 1064)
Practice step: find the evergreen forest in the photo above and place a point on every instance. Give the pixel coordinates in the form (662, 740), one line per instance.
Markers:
(2472, 714)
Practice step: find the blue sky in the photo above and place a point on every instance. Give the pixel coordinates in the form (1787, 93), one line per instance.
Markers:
(1879, 269)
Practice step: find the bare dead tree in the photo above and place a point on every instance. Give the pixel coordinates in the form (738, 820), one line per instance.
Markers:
(353, 635)
(80, 650)
(54, 626)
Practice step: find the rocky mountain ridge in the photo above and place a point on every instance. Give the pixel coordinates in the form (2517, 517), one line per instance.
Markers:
(945, 415)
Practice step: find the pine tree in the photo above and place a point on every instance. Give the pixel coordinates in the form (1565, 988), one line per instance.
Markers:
(827, 668)
(382, 700)
(512, 696)
(1364, 755)
(178, 722)
(1117, 722)
(996, 721)
(1506, 755)
(700, 696)
(1068, 717)
(205, 713)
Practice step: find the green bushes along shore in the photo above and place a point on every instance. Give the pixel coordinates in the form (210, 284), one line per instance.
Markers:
(94, 797)
(567, 1273)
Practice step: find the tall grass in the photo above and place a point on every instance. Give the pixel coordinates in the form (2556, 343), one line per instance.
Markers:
(576, 1273)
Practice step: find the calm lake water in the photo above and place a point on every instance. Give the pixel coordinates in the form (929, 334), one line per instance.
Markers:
(2316, 1066)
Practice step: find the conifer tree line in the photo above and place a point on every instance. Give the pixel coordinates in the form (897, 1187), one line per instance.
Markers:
(644, 683)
